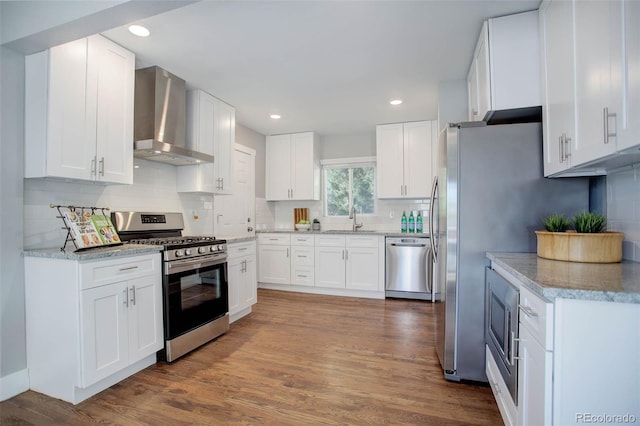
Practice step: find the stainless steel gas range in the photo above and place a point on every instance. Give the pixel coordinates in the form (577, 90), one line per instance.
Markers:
(194, 281)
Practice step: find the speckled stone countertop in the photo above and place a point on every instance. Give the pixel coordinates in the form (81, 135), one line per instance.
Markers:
(346, 231)
(610, 282)
(94, 253)
(238, 239)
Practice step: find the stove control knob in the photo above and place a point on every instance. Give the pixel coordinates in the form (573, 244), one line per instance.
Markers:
(220, 247)
(179, 253)
(212, 248)
(188, 252)
(202, 250)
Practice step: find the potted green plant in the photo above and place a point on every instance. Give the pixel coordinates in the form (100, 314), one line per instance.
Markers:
(588, 241)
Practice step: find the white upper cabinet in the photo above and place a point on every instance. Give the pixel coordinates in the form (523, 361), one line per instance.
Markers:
(211, 127)
(627, 97)
(558, 109)
(79, 112)
(403, 159)
(504, 72)
(293, 167)
(591, 93)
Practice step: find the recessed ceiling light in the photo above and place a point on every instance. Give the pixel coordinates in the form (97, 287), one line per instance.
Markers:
(395, 102)
(139, 30)
(275, 116)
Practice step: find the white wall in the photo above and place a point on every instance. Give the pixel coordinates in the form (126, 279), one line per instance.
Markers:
(452, 102)
(12, 312)
(347, 146)
(623, 209)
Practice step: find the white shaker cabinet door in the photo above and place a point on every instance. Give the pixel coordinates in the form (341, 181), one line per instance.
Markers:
(361, 273)
(225, 119)
(595, 53)
(104, 332)
(278, 163)
(417, 159)
(145, 317)
(390, 160)
(248, 293)
(275, 266)
(558, 108)
(628, 122)
(111, 77)
(330, 267)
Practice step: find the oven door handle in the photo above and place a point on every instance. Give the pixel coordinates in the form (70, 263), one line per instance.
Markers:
(201, 262)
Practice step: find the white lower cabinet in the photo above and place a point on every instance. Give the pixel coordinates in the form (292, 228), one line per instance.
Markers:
(337, 264)
(243, 283)
(347, 262)
(302, 260)
(577, 360)
(274, 261)
(108, 322)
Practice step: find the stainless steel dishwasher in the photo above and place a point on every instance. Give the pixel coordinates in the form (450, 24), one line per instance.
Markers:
(409, 268)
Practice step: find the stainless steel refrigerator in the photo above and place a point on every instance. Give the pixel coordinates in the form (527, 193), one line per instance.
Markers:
(489, 195)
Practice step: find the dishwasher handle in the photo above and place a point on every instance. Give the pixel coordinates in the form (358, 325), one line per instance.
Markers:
(406, 245)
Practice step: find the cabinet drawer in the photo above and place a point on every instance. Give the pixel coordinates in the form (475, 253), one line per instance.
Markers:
(241, 249)
(302, 275)
(302, 240)
(537, 315)
(279, 239)
(330, 240)
(302, 256)
(362, 241)
(98, 273)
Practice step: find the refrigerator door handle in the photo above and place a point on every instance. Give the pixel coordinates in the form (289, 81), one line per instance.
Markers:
(434, 190)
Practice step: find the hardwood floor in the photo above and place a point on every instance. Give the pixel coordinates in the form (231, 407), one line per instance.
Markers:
(297, 359)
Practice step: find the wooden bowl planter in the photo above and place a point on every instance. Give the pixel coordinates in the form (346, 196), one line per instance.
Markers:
(601, 247)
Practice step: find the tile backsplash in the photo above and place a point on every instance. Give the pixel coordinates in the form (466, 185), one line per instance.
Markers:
(623, 209)
(154, 189)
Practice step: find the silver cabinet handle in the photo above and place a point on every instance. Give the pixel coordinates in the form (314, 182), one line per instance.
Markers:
(249, 228)
(302, 276)
(512, 356)
(126, 297)
(528, 311)
(128, 268)
(242, 249)
(102, 167)
(93, 166)
(561, 147)
(342, 254)
(287, 252)
(133, 295)
(567, 151)
(606, 116)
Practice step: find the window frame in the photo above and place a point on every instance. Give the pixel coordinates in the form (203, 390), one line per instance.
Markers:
(348, 163)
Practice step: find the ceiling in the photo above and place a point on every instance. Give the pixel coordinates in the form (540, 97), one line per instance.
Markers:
(325, 66)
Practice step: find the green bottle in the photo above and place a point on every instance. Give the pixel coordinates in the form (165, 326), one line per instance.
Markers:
(419, 223)
(403, 223)
(412, 223)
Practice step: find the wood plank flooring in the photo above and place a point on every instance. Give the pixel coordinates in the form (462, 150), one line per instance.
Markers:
(298, 359)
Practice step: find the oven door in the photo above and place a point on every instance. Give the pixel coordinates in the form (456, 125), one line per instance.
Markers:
(501, 327)
(195, 293)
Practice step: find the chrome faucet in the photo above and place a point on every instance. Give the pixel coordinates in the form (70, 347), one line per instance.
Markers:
(352, 215)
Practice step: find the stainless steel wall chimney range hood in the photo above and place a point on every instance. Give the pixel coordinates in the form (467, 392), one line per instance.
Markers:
(159, 119)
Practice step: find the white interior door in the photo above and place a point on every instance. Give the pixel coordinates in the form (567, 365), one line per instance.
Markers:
(234, 215)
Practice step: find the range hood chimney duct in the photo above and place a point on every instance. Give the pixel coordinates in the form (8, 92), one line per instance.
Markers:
(159, 119)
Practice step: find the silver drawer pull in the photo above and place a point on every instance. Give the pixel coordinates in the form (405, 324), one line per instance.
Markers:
(528, 311)
(242, 249)
(128, 268)
(302, 276)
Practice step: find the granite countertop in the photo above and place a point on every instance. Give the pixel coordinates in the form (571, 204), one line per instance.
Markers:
(94, 253)
(610, 282)
(345, 231)
(233, 240)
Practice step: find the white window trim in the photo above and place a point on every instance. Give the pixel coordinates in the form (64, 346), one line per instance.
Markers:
(346, 163)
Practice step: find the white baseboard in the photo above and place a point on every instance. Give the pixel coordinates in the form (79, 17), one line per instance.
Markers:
(325, 291)
(14, 384)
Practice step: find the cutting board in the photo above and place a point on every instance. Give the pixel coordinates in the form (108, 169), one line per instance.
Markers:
(300, 213)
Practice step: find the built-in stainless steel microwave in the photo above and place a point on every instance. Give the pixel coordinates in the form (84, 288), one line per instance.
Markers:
(501, 327)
